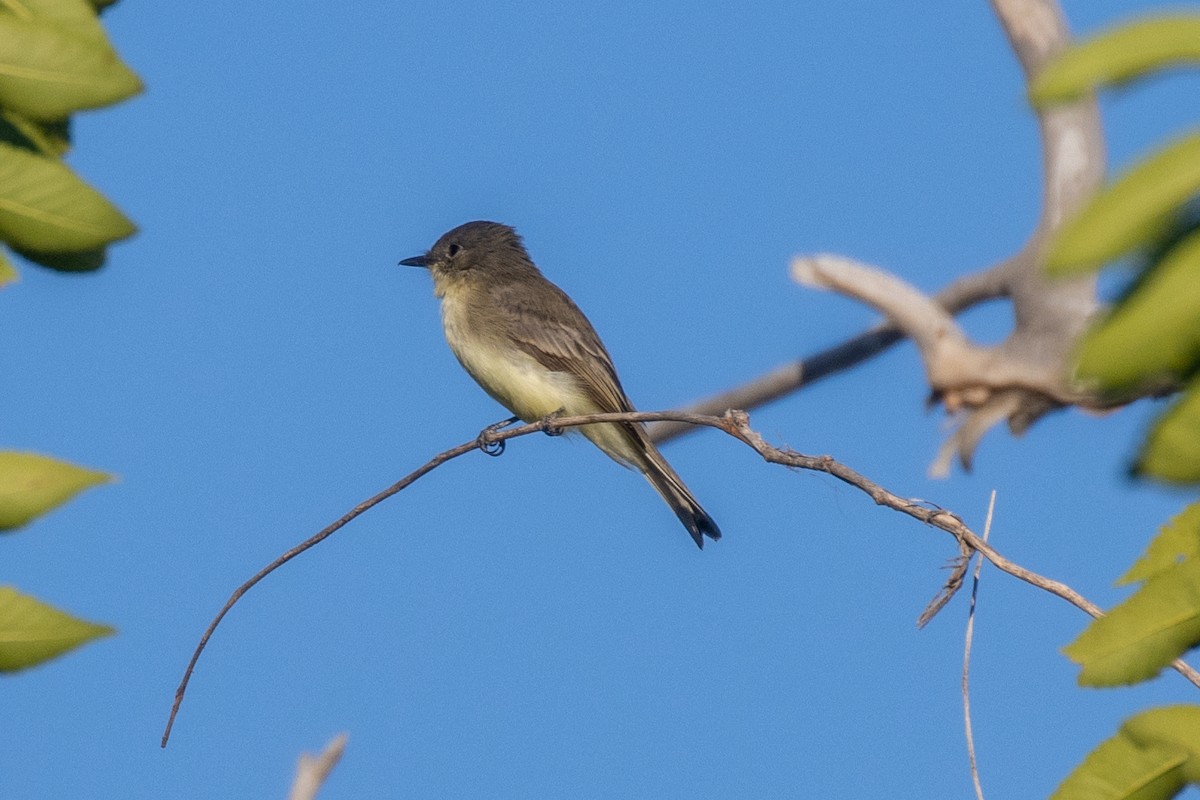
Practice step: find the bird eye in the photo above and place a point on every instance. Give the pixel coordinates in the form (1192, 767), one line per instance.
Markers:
(453, 250)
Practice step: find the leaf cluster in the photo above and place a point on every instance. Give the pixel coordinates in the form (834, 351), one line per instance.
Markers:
(1148, 343)
(31, 631)
(55, 60)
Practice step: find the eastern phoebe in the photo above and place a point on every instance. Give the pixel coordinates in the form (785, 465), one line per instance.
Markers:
(531, 348)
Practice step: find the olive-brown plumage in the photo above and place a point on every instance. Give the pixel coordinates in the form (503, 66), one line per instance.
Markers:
(530, 347)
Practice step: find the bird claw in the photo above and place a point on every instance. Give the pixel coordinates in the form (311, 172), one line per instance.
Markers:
(490, 446)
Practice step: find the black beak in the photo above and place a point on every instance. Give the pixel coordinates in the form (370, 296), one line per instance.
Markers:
(415, 261)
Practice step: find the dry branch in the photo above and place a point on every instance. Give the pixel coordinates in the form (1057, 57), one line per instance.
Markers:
(1027, 375)
(734, 423)
(312, 771)
(963, 293)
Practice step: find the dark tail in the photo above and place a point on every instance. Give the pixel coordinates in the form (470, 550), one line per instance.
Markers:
(670, 486)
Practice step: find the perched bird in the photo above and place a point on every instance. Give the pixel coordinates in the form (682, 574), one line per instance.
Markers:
(531, 348)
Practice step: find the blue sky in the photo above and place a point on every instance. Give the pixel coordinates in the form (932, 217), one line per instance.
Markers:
(253, 364)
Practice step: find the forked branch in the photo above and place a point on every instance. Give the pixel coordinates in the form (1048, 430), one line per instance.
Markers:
(1027, 375)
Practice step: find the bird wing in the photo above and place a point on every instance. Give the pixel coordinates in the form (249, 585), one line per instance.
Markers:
(563, 340)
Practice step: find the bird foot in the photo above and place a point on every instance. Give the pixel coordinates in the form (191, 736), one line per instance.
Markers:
(489, 445)
(547, 425)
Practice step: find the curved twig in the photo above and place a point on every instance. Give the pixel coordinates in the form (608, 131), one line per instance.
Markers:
(734, 423)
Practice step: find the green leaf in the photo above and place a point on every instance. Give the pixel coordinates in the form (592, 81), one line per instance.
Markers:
(8, 273)
(45, 207)
(79, 261)
(1121, 769)
(1152, 338)
(1139, 637)
(1178, 540)
(1169, 726)
(32, 632)
(1171, 451)
(49, 69)
(1118, 56)
(32, 484)
(79, 16)
(1130, 212)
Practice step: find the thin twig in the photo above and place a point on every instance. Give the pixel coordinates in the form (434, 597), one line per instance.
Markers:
(316, 538)
(734, 423)
(966, 694)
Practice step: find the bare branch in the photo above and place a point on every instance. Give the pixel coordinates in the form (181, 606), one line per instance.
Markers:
(316, 538)
(995, 408)
(311, 771)
(1026, 376)
(958, 296)
(918, 316)
(734, 423)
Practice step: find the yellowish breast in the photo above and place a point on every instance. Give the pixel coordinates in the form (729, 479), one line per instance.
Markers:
(507, 373)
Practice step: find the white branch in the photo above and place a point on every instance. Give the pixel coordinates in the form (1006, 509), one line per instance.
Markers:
(918, 316)
(311, 771)
(1026, 375)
